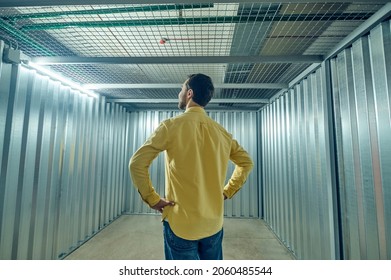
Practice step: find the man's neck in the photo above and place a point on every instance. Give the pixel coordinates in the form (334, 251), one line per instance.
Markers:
(191, 103)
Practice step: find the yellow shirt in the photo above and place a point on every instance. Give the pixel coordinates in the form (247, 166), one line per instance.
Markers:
(198, 150)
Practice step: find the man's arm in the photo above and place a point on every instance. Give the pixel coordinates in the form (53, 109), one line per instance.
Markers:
(140, 162)
(243, 167)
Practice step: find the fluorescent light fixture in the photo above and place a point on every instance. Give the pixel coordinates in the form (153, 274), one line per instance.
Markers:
(60, 78)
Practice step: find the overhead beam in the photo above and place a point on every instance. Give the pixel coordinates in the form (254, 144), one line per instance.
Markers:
(36, 3)
(224, 100)
(52, 60)
(131, 86)
(195, 21)
(178, 86)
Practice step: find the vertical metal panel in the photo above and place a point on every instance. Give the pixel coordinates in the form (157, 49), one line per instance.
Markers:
(362, 76)
(260, 130)
(243, 126)
(380, 109)
(297, 240)
(297, 182)
(267, 136)
(11, 159)
(59, 150)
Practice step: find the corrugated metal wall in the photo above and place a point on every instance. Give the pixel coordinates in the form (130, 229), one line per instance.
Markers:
(63, 165)
(362, 87)
(243, 126)
(298, 189)
(326, 156)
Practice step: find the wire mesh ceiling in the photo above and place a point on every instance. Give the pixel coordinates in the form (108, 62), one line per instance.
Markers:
(216, 30)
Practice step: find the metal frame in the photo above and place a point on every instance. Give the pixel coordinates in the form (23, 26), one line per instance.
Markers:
(168, 86)
(178, 59)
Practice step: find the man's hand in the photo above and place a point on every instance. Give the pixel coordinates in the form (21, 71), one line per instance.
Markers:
(161, 204)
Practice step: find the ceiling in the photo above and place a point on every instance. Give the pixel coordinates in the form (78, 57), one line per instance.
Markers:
(139, 54)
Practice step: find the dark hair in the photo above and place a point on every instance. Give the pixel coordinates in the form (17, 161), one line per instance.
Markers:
(202, 87)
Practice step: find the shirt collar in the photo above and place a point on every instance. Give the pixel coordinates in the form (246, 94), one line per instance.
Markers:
(196, 109)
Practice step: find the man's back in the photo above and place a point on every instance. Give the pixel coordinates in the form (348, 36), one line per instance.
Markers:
(197, 154)
(198, 151)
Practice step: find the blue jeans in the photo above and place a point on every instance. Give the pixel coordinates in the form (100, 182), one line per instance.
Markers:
(176, 248)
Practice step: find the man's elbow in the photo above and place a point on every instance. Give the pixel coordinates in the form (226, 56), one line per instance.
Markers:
(133, 165)
(250, 164)
(247, 166)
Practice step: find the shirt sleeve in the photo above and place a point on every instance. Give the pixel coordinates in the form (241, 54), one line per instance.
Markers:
(141, 160)
(243, 166)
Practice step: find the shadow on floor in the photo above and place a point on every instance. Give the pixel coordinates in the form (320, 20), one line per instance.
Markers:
(139, 237)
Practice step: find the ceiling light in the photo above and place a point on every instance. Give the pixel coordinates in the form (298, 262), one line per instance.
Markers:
(60, 78)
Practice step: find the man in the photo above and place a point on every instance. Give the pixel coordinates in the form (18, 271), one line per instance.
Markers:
(198, 151)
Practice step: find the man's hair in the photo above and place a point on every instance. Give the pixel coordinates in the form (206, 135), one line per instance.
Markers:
(202, 87)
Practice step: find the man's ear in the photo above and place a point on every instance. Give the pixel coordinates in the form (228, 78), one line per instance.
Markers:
(190, 93)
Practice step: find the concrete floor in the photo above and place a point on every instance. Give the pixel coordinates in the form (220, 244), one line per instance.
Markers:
(139, 237)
